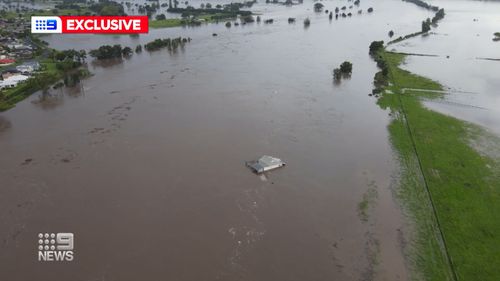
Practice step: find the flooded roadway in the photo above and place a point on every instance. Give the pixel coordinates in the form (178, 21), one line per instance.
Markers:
(144, 161)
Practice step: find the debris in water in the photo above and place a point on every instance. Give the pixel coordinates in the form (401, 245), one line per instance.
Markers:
(264, 164)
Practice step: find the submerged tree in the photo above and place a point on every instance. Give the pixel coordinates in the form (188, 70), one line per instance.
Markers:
(307, 22)
(318, 7)
(497, 36)
(345, 70)
(346, 67)
(127, 51)
(161, 17)
(107, 52)
(426, 25)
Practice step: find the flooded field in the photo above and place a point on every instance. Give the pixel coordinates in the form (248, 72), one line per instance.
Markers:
(467, 62)
(145, 161)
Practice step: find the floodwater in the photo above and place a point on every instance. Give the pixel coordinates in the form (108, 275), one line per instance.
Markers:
(144, 161)
(463, 44)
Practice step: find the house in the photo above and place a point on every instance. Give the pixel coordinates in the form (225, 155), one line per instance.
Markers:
(4, 62)
(28, 67)
(9, 72)
(12, 81)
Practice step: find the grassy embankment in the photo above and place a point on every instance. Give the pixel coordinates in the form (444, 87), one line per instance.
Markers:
(450, 190)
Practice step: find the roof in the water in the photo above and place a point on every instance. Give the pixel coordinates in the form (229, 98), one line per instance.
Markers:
(265, 163)
(269, 161)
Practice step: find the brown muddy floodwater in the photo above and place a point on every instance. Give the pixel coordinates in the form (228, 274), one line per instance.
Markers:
(144, 161)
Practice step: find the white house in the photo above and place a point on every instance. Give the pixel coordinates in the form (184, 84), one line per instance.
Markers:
(12, 81)
(28, 67)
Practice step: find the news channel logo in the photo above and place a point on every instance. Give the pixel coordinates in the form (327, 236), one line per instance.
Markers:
(56, 246)
(45, 24)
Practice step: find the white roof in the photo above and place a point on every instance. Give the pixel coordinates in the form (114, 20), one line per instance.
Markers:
(267, 160)
(17, 78)
(13, 80)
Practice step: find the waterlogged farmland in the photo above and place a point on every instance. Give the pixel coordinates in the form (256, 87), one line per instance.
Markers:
(145, 160)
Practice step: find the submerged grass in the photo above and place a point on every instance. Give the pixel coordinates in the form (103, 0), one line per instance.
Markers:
(450, 189)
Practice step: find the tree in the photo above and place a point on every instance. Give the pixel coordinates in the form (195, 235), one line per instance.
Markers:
(318, 7)
(307, 22)
(60, 56)
(375, 46)
(161, 17)
(107, 52)
(497, 36)
(438, 16)
(344, 70)
(127, 51)
(82, 55)
(346, 67)
(426, 25)
(337, 74)
(247, 19)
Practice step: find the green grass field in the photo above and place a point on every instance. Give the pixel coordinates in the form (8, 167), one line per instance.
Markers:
(434, 150)
(165, 23)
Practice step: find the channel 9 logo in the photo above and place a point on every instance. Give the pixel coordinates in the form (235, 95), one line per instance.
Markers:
(55, 246)
(44, 24)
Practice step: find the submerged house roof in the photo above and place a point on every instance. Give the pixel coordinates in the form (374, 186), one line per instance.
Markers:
(265, 163)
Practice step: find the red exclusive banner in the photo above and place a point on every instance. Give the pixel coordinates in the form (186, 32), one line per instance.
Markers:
(104, 24)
